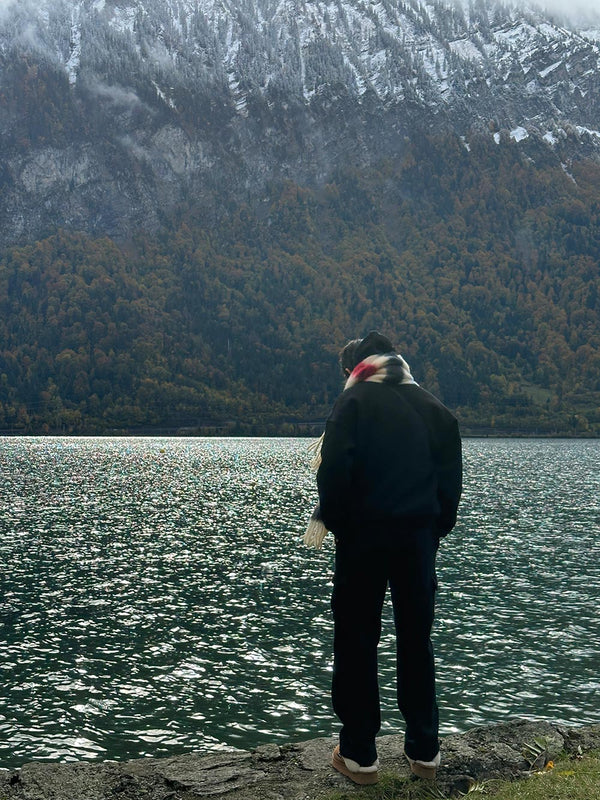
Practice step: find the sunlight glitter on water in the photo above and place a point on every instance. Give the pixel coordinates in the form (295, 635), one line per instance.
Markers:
(155, 598)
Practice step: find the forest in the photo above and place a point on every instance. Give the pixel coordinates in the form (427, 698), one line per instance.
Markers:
(480, 262)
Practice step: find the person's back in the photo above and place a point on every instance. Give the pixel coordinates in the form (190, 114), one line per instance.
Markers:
(397, 436)
(389, 486)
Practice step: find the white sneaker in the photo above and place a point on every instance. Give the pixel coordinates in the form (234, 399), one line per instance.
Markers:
(364, 776)
(425, 769)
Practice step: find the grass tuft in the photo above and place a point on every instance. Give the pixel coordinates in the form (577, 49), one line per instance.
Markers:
(569, 778)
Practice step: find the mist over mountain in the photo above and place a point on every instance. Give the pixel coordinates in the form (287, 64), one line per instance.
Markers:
(576, 11)
(112, 113)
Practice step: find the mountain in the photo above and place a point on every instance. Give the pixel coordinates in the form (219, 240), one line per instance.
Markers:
(113, 113)
(201, 201)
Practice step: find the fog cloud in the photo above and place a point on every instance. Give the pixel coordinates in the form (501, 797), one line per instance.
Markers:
(585, 8)
(6, 5)
(589, 9)
(574, 9)
(115, 94)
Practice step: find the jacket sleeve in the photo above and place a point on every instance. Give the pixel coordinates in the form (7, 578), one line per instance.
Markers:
(334, 477)
(449, 474)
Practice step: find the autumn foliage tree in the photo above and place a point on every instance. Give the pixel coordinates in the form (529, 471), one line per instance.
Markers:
(480, 263)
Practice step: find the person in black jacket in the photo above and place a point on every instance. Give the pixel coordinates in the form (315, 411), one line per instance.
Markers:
(389, 486)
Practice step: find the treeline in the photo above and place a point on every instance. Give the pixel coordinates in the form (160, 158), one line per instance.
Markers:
(481, 263)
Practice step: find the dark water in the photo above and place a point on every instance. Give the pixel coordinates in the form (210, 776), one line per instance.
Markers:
(154, 597)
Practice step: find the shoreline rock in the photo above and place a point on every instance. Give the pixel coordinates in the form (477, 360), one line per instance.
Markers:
(298, 771)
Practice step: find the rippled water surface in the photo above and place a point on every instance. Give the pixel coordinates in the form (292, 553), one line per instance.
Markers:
(155, 599)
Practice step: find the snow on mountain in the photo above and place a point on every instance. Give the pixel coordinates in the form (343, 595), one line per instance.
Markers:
(432, 53)
(161, 97)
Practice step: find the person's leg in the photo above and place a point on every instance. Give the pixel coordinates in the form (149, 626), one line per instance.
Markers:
(413, 585)
(358, 594)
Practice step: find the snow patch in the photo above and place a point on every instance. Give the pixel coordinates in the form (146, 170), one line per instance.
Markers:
(567, 173)
(72, 65)
(580, 129)
(532, 87)
(551, 68)
(123, 19)
(516, 35)
(163, 96)
(467, 50)
(519, 133)
(592, 33)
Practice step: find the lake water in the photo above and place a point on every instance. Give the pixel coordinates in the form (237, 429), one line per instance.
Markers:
(155, 598)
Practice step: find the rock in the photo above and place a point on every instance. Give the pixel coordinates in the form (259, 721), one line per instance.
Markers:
(311, 753)
(268, 752)
(299, 771)
(506, 750)
(586, 738)
(200, 775)
(57, 781)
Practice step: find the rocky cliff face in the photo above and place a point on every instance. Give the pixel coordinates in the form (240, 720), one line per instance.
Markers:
(112, 113)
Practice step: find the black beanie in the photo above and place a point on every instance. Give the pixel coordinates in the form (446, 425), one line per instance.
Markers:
(358, 349)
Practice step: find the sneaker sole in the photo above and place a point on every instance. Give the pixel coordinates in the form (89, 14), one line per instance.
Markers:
(421, 771)
(361, 778)
(428, 773)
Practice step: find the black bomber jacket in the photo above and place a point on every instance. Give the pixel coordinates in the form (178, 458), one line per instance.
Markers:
(391, 452)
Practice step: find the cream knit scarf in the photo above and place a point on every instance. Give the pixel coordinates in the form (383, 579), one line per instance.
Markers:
(380, 368)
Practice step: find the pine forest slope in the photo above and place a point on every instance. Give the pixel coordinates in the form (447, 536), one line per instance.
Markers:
(481, 263)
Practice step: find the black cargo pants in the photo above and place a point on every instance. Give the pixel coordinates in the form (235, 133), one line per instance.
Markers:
(366, 562)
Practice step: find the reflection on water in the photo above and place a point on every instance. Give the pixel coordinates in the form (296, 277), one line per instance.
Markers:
(155, 598)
